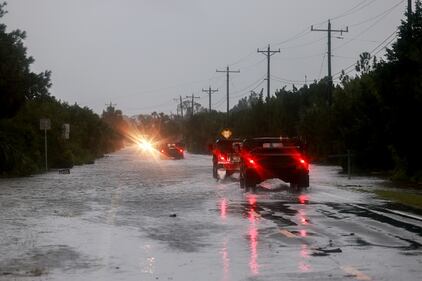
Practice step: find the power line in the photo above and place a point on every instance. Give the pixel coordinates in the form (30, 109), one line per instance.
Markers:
(259, 81)
(366, 29)
(355, 9)
(303, 45)
(373, 52)
(322, 65)
(379, 15)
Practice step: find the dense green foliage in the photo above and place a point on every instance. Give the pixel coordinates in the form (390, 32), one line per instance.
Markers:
(25, 99)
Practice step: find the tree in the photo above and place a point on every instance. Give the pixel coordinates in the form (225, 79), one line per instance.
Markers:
(17, 83)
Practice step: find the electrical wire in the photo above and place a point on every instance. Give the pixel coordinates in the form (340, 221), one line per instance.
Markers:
(369, 28)
(304, 44)
(355, 9)
(260, 81)
(322, 65)
(374, 51)
(288, 81)
(249, 86)
(377, 16)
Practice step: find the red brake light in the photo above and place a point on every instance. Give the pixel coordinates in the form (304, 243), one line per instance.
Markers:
(304, 163)
(222, 158)
(250, 162)
(181, 150)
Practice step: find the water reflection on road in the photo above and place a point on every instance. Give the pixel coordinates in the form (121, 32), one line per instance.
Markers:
(132, 218)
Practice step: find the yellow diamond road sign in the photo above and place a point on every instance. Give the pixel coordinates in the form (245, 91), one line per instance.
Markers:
(226, 133)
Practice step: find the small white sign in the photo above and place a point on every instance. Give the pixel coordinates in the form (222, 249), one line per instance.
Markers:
(66, 131)
(45, 124)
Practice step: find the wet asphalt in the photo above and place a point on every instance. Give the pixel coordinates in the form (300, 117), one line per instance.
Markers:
(131, 216)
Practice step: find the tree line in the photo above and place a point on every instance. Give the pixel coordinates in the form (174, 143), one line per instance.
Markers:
(25, 99)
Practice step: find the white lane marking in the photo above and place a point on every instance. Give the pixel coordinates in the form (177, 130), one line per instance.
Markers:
(287, 233)
(415, 217)
(404, 214)
(359, 275)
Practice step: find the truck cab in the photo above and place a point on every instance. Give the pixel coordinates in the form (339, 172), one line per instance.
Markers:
(225, 155)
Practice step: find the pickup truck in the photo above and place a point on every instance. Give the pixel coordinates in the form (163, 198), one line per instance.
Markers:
(225, 157)
(272, 157)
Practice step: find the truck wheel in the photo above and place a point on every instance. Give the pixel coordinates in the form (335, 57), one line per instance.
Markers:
(249, 184)
(214, 171)
(303, 181)
(241, 181)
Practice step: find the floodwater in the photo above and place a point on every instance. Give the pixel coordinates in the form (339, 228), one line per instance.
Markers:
(135, 217)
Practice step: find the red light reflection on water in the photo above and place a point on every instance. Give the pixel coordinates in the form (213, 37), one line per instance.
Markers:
(304, 254)
(303, 199)
(302, 217)
(253, 261)
(252, 200)
(226, 261)
(303, 265)
(223, 208)
(253, 236)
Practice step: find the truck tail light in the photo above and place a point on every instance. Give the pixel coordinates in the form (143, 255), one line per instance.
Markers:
(250, 162)
(303, 163)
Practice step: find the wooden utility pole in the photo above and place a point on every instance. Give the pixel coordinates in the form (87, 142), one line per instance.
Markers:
(268, 53)
(409, 17)
(330, 78)
(409, 10)
(228, 71)
(210, 92)
(193, 99)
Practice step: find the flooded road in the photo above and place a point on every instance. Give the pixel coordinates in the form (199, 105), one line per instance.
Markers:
(128, 217)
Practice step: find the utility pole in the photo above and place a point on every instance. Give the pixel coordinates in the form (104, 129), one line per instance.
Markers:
(111, 105)
(268, 53)
(409, 9)
(177, 108)
(210, 92)
(409, 16)
(330, 78)
(193, 99)
(181, 106)
(228, 71)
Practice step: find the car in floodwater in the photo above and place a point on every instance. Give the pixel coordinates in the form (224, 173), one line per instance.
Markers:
(172, 151)
(225, 157)
(272, 157)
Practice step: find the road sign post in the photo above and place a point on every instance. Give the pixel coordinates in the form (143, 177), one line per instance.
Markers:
(45, 124)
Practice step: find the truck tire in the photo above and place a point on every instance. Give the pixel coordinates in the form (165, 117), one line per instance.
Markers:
(241, 182)
(250, 184)
(300, 181)
(214, 171)
(303, 181)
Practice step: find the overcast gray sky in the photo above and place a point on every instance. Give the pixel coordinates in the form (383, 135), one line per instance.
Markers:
(141, 54)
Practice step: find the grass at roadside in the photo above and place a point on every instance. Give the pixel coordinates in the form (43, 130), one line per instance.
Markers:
(409, 199)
